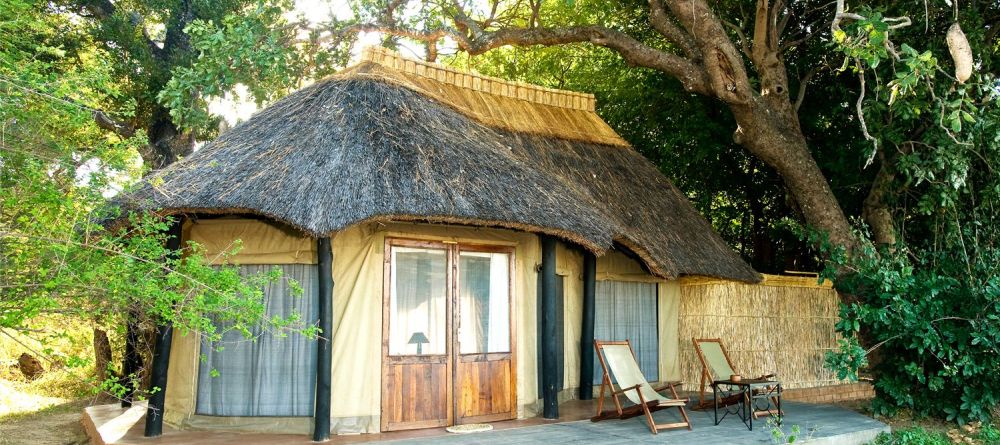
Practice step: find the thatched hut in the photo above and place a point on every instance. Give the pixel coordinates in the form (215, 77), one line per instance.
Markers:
(481, 232)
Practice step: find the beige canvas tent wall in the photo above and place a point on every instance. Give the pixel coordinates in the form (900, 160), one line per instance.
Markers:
(400, 149)
(358, 258)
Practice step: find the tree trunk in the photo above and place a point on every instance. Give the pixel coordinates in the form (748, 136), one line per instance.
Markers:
(773, 135)
(768, 123)
(875, 210)
(166, 143)
(102, 354)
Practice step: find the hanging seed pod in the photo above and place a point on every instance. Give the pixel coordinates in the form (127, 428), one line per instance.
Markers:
(960, 51)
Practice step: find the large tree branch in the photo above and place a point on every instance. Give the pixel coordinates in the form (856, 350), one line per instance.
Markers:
(723, 64)
(691, 75)
(744, 43)
(764, 33)
(663, 24)
(116, 126)
(803, 83)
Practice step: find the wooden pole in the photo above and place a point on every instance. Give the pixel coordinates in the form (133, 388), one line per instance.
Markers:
(587, 331)
(550, 366)
(324, 353)
(161, 355)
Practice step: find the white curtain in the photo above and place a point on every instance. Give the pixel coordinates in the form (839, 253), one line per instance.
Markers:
(417, 300)
(271, 376)
(485, 302)
(626, 310)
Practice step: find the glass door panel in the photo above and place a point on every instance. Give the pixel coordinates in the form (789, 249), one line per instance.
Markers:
(418, 301)
(484, 298)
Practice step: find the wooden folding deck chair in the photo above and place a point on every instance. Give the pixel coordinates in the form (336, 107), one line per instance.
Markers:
(716, 365)
(618, 360)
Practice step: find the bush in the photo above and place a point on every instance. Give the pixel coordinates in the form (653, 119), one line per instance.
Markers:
(927, 324)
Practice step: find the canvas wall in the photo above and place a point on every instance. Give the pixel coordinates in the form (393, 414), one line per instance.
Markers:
(358, 255)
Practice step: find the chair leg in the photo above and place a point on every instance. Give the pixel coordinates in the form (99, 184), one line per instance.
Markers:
(685, 416)
(701, 394)
(600, 399)
(649, 414)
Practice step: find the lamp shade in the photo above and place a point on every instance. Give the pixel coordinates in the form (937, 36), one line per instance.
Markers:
(418, 338)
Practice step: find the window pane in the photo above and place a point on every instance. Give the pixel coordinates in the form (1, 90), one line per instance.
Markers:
(270, 376)
(626, 310)
(418, 294)
(484, 296)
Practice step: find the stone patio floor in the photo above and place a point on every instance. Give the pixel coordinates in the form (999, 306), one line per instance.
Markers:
(819, 424)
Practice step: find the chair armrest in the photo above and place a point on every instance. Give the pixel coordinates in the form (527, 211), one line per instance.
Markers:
(767, 376)
(668, 385)
(630, 388)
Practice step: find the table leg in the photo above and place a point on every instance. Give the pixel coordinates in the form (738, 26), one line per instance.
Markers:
(781, 415)
(715, 400)
(749, 408)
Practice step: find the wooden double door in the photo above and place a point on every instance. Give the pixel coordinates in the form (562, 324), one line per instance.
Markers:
(448, 334)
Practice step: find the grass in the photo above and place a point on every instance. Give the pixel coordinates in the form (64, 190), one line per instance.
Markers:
(65, 349)
(917, 435)
(908, 429)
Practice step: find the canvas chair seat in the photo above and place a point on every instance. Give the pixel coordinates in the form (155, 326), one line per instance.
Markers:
(716, 365)
(618, 362)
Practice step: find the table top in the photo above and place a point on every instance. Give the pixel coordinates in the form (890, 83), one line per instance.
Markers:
(747, 382)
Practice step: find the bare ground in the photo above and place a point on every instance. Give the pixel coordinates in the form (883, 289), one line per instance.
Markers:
(54, 425)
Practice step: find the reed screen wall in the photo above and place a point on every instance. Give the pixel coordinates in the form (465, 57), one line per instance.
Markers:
(784, 325)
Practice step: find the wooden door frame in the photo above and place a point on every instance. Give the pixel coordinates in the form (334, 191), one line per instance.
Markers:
(386, 359)
(511, 308)
(452, 312)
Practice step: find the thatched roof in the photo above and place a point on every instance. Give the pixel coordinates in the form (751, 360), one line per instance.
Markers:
(397, 140)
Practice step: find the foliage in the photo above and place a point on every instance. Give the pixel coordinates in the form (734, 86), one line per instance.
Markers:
(911, 436)
(933, 319)
(257, 48)
(56, 165)
(778, 434)
(970, 434)
(922, 314)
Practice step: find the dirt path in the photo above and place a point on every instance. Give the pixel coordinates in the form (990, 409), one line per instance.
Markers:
(55, 425)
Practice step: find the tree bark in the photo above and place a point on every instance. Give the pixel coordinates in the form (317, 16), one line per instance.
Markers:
(102, 354)
(774, 136)
(166, 143)
(767, 121)
(875, 210)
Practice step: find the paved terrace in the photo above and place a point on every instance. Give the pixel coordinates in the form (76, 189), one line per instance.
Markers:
(819, 424)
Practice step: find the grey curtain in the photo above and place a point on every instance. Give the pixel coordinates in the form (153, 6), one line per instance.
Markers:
(626, 310)
(271, 376)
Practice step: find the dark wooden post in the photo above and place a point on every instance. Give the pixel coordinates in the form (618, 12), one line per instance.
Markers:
(161, 353)
(550, 366)
(587, 331)
(324, 352)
